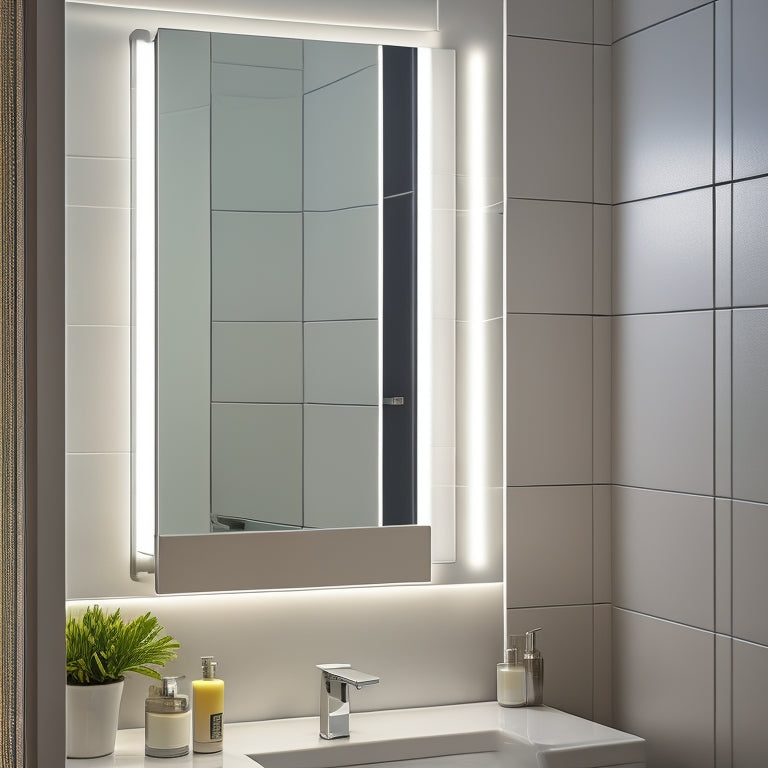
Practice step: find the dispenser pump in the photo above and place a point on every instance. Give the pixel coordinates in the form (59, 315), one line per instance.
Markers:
(530, 643)
(209, 667)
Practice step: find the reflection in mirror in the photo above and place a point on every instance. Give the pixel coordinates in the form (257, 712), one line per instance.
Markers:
(287, 277)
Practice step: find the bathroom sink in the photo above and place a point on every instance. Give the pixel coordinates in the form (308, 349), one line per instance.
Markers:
(363, 748)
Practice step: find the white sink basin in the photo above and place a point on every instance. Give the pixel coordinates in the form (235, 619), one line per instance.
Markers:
(360, 749)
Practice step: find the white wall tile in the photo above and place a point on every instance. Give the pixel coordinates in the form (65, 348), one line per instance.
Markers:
(256, 362)
(98, 514)
(632, 15)
(549, 257)
(601, 399)
(750, 102)
(341, 143)
(566, 643)
(256, 266)
(663, 401)
(341, 362)
(723, 94)
(325, 62)
(601, 138)
(750, 702)
(341, 264)
(256, 51)
(601, 544)
(750, 235)
(663, 253)
(723, 402)
(549, 123)
(569, 20)
(603, 653)
(256, 461)
(663, 555)
(97, 84)
(723, 566)
(549, 546)
(750, 571)
(256, 146)
(663, 688)
(98, 266)
(549, 400)
(477, 342)
(662, 108)
(341, 461)
(723, 244)
(98, 389)
(98, 181)
(750, 390)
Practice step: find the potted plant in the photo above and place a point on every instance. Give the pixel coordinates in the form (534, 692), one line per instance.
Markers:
(101, 648)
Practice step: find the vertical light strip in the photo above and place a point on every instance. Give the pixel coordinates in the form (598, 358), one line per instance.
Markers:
(424, 305)
(476, 352)
(143, 325)
(380, 298)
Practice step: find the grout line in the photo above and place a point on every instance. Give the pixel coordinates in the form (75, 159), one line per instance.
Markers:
(557, 40)
(663, 21)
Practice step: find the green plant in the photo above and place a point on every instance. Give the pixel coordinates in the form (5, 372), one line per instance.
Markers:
(101, 647)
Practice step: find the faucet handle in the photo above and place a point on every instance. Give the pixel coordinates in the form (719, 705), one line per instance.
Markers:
(345, 674)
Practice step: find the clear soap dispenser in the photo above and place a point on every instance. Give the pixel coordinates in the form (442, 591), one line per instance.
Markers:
(167, 720)
(510, 680)
(533, 662)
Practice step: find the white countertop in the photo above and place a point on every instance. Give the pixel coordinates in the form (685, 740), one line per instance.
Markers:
(535, 736)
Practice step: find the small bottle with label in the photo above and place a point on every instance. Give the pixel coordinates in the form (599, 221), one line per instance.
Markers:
(510, 680)
(166, 720)
(208, 709)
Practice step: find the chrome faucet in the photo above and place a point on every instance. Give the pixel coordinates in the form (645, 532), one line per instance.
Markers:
(334, 698)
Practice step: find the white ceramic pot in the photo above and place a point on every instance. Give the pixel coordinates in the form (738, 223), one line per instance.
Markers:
(92, 712)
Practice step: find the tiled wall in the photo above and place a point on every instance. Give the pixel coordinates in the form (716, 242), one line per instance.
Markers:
(558, 343)
(690, 380)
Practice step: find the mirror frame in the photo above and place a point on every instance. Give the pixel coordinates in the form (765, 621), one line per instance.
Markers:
(289, 559)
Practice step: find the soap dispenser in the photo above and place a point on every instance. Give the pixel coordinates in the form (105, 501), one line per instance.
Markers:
(533, 662)
(208, 706)
(510, 680)
(166, 720)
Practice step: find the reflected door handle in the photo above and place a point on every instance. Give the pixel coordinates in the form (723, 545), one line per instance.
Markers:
(399, 400)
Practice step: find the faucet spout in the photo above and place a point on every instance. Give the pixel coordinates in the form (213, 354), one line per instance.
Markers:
(334, 697)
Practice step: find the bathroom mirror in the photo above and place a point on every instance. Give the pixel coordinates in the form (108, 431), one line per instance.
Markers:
(297, 295)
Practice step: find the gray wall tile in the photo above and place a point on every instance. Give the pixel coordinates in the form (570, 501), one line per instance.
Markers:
(256, 266)
(549, 546)
(723, 566)
(750, 702)
(663, 688)
(663, 555)
(663, 401)
(750, 235)
(549, 399)
(633, 15)
(549, 257)
(256, 147)
(256, 461)
(723, 244)
(750, 571)
(663, 253)
(341, 362)
(723, 92)
(325, 62)
(549, 125)
(750, 416)
(183, 69)
(723, 402)
(257, 362)
(341, 448)
(662, 108)
(750, 101)
(552, 19)
(256, 51)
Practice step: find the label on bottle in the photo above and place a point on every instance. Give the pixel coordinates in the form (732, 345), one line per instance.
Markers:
(215, 729)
